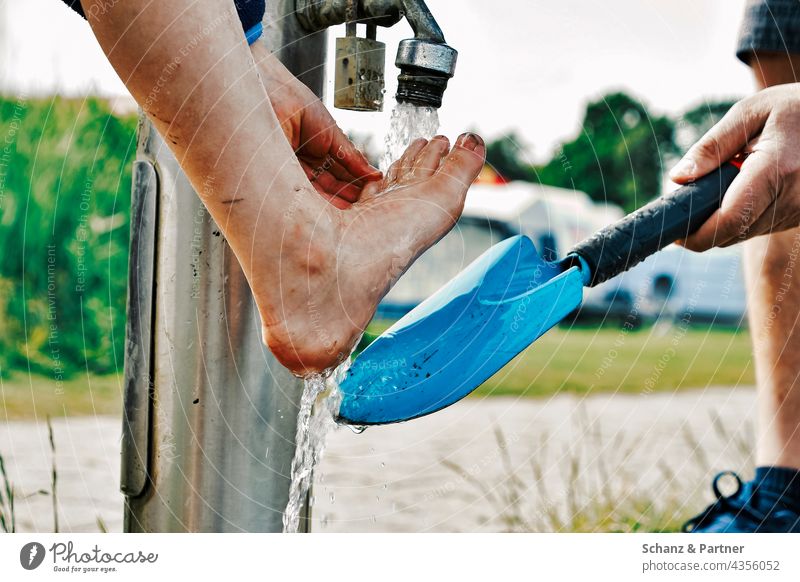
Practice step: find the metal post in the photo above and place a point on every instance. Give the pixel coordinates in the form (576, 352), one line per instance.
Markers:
(209, 422)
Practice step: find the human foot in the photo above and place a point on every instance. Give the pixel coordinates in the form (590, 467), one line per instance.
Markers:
(336, 264)
(317, 271)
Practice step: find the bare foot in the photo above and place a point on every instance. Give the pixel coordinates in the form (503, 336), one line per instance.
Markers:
(317, 265)
(337, 265)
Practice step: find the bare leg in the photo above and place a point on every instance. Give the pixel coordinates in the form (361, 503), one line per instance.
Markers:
(772, 273)
(317, 271)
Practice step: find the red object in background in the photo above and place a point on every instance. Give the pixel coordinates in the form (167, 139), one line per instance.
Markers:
(489, 176)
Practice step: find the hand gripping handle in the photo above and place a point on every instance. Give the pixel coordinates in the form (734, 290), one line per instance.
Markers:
(626, 243)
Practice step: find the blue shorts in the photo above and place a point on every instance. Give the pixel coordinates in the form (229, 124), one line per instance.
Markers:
(251, 12)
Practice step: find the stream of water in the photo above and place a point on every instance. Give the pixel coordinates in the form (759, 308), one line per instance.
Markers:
(313, 426)
(408, 123)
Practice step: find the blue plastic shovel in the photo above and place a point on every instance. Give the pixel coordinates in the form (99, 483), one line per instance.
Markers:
(501, 303)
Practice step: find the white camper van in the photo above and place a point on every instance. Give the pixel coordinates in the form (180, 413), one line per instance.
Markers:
(554, 218)
(698, 287)
(668, 284)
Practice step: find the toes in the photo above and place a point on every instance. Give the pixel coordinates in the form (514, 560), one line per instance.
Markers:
(428, 159)
(462, 165)
(406, 161)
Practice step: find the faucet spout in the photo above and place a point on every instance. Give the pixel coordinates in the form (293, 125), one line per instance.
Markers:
(426, 62)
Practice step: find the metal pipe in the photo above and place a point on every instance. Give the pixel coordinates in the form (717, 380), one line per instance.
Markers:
(421, 21)
(210, 415)
(316, 15)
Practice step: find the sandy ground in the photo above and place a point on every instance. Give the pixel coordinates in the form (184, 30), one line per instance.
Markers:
(447, 472)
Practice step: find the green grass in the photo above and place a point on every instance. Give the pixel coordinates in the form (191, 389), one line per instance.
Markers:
(578, 360)
(608, 359)
(25, 396)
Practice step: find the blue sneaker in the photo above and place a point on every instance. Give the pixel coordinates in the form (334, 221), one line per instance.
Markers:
(770, 503)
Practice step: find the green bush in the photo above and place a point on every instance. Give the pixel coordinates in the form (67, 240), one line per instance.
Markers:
(64, 217)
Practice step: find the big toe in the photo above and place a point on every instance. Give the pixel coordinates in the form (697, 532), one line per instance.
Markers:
(462, 165)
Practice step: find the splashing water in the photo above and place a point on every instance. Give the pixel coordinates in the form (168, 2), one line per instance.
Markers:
(313, 426)
(408, 123)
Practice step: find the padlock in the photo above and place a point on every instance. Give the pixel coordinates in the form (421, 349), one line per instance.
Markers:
(360, 64)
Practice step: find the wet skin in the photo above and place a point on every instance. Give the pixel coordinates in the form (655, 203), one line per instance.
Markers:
(319, 234)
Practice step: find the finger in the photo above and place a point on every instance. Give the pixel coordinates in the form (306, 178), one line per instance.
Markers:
(338, 202)
(401, 166)
(343, 173)
(766, 223)
(342, 189)
(723, 141)
(779, 216)
(328, 164)
(747, 198)
(461, 166)
(372, 190)
(328, 183)
(351, 158)
(428, 160)
(330, 145)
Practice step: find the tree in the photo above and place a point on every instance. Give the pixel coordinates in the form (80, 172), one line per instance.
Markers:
(64, 218)
(618, 155)
(508, 156)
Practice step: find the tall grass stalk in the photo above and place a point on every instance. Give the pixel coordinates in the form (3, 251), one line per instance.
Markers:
(598, 489)
(53, 475)
(8, 521)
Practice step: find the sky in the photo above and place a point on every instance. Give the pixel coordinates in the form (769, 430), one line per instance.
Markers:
(524, 65)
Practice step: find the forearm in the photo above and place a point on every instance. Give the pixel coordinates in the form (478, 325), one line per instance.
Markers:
(187, 64)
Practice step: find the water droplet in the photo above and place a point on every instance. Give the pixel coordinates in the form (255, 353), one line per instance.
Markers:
(333, 498)
(356, 428)
(383, 464)
(385, 485)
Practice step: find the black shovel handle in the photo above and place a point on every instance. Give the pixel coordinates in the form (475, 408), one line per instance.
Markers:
(626, 243)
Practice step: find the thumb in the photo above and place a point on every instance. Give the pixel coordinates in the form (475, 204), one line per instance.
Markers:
(723, 141)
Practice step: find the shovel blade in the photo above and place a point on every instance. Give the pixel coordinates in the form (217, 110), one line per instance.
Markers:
(460, 336)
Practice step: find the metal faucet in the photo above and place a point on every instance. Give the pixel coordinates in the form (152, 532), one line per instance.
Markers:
(426, 62)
